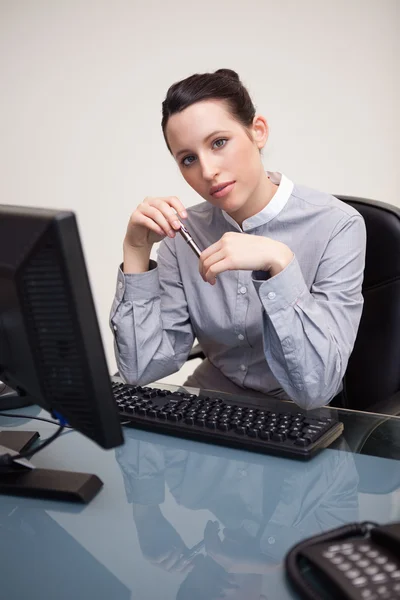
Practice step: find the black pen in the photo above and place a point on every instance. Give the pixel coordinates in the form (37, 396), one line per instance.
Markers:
(189, 240)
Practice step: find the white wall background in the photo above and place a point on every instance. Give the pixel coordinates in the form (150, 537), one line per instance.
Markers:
(81, 86)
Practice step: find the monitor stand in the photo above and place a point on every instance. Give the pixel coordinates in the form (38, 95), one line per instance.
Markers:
(27, 480)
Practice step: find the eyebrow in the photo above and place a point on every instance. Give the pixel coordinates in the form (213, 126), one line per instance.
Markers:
(205, 139)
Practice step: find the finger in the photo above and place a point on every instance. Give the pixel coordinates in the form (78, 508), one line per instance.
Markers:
(211, 249)
(206, 255)
(216, 269)
(212, 260)
(170, 561)
(183, 565)
(186, 569)
(150, 224)
(211, 539)
(190, 563)
(161, 558)
(178, 206)
(158, 217)
(165, 207)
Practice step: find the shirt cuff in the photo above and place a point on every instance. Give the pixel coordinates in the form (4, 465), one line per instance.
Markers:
(281, 290)
(137, 286)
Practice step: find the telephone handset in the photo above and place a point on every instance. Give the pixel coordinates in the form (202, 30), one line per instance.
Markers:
(359, 561)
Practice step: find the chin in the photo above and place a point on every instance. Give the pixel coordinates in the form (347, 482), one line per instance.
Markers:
(231, 206)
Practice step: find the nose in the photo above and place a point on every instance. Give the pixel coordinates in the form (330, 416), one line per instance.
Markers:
(209, 168)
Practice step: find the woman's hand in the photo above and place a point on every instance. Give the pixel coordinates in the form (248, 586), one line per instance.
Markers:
(159, 541)
(242, 251)
(238, 552)
(153, 220)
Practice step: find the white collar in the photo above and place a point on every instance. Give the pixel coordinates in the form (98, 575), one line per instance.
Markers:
(274, 206)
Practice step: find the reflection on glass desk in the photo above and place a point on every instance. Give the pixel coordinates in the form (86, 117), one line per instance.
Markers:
(178, 519)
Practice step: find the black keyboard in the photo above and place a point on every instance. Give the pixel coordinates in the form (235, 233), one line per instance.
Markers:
(236, 421)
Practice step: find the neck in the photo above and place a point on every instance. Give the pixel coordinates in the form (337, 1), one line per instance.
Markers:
(260, 198)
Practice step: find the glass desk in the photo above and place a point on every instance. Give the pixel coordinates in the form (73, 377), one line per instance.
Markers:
(178, 519)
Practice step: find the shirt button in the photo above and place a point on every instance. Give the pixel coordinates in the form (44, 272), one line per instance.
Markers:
(115, 327)
(120, 285)
(243, 367)
(271, 295)
(240, 336)
(243, 290)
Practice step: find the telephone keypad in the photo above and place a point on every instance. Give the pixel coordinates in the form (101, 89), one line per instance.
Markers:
(362, 570)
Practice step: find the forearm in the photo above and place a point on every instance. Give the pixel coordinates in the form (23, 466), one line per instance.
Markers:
(136, 260)
(307, 339)
(304, 356)
(150, 322)
(148, 345)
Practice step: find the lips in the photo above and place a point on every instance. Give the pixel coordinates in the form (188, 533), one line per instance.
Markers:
(219, 187)
(221, 193)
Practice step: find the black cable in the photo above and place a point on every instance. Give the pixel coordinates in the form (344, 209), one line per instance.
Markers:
(3, 414)
(19, 416)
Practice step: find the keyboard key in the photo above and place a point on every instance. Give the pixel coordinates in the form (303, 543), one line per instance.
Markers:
(251, 432)
(302, 442)
(279, 437)
(224, 426)
(240, 430)
(174, 417)
(395, 574)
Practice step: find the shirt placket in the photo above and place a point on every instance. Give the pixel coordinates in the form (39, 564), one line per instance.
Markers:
(242, 290)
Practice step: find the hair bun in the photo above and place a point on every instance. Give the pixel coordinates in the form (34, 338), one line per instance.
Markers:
(228, 73)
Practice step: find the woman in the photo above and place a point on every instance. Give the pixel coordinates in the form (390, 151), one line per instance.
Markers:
(275, 298)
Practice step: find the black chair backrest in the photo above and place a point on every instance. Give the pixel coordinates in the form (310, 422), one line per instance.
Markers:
(373, 373)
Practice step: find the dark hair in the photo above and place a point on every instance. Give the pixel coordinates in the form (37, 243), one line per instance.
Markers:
(224, 84)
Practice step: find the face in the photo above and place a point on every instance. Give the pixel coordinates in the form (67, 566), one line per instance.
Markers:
(213, 149)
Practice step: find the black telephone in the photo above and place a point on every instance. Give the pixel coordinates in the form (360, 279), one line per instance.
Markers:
(359, 561)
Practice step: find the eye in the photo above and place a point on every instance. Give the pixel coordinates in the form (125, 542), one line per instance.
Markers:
(218, 144)
(187, 161)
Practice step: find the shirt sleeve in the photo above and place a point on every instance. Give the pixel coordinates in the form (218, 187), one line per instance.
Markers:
(142, 465)
(309, 334)
(150, 321)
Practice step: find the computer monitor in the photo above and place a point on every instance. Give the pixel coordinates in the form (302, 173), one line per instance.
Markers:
(50, 342)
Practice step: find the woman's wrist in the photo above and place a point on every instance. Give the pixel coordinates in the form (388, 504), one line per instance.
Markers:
(282, 257)
(136, 260)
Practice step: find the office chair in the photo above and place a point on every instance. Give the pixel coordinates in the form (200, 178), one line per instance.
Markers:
(372, 379)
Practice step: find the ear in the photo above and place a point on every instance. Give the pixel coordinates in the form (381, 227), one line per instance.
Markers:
(260, 131)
